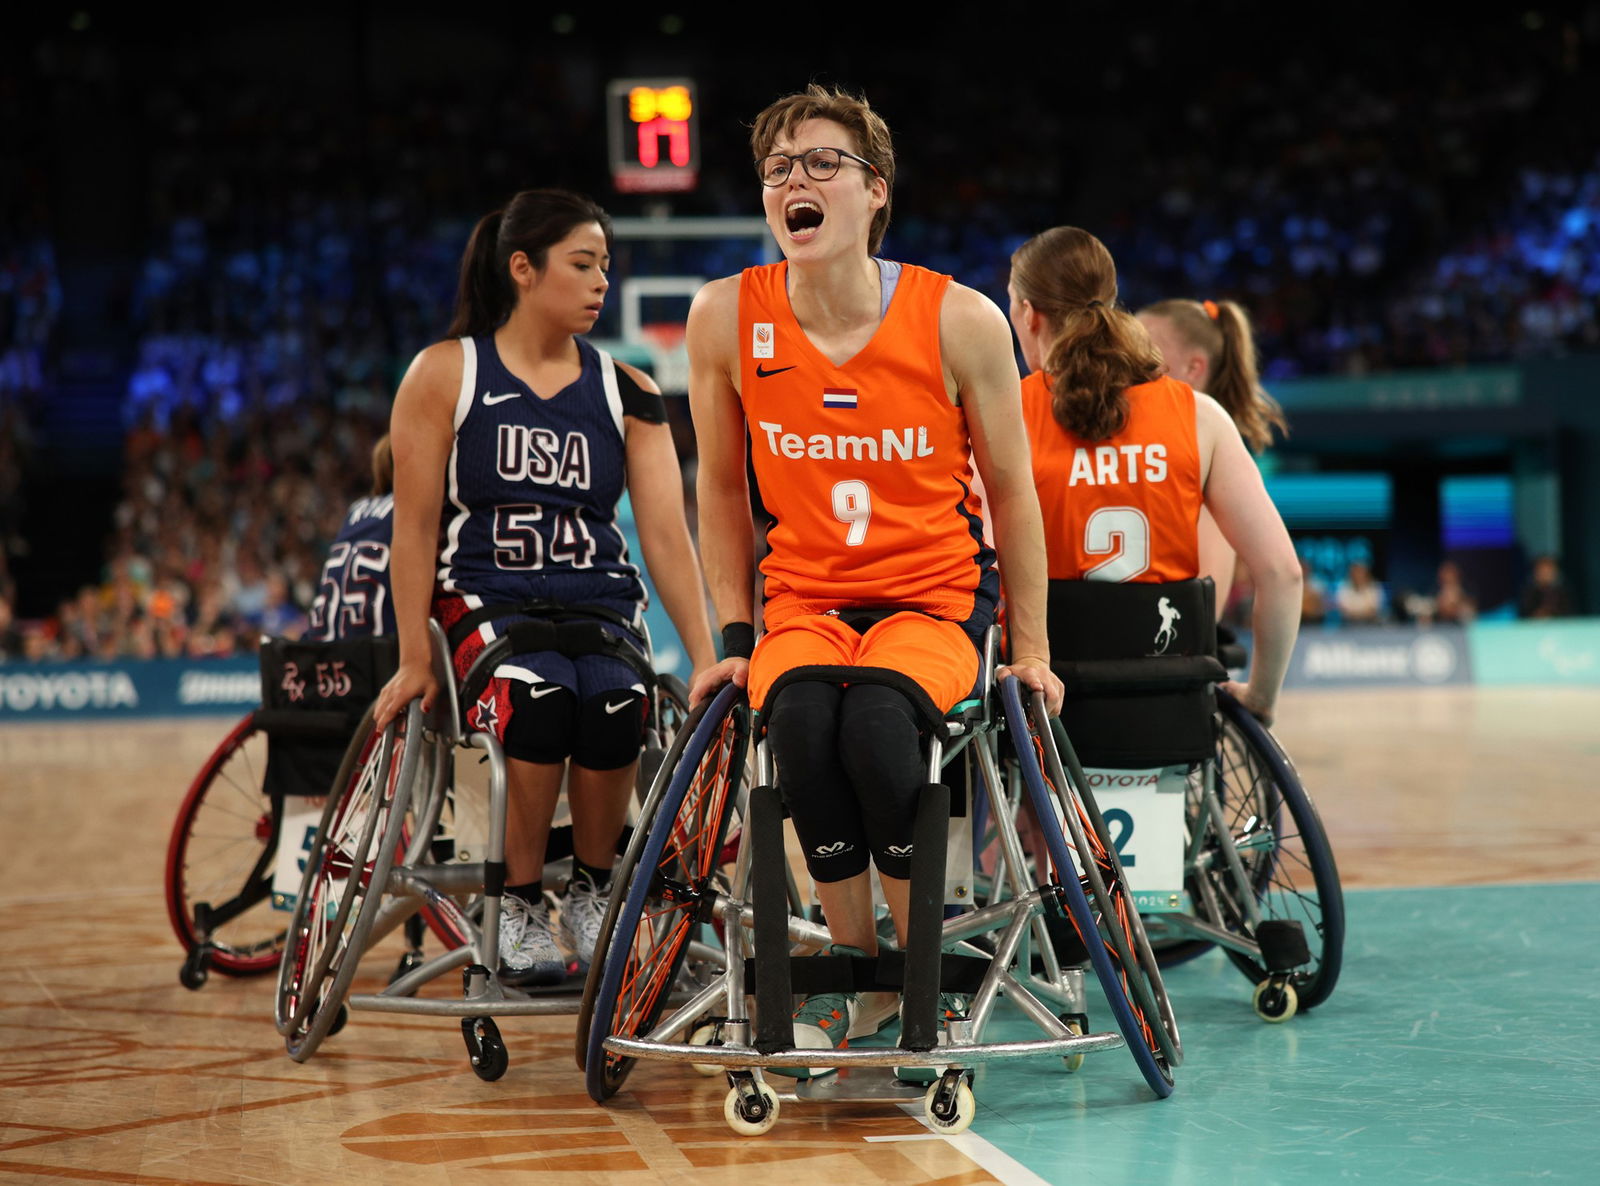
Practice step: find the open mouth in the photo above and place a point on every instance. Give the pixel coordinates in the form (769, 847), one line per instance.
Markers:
(803, 219)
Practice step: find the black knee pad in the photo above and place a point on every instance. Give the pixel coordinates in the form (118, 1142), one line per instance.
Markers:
(610, 730)
(880, 746)
(541, 725)
(802, 729)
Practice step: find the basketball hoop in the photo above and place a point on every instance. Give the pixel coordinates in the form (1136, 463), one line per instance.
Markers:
(669, 357)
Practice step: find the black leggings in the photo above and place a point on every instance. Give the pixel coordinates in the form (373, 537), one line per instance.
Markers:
(850, 766)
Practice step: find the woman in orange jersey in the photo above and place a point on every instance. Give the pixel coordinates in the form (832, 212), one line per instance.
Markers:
(1209, 346)
(872, 393)
(1125, 457)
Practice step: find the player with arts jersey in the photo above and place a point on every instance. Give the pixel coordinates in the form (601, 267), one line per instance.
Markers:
(875, 395)
(513, 443)
(353, 591)
(1125, 456)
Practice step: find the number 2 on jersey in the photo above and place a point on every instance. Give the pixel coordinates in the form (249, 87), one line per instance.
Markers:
(1124, 532)
(852, 505)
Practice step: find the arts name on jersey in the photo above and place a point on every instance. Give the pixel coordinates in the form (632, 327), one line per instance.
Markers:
(1111, 465)
(524, 454)
(892, 444)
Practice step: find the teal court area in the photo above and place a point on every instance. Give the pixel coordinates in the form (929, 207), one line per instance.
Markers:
(1462, 1045)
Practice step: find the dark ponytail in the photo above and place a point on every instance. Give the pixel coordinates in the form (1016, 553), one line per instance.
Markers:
(1098, 350)
(532, 222)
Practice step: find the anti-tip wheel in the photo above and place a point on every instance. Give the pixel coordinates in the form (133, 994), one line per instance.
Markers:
(751, 1110)
(950, 1112)
(706, 1035)
(1074, 1062)
(485, 1048)
(1275, 1002)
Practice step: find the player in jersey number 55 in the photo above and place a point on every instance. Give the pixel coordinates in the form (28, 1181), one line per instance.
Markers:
(873, 393)
(513, 442)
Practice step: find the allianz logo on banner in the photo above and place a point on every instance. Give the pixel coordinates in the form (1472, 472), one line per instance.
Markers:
(1398, 655)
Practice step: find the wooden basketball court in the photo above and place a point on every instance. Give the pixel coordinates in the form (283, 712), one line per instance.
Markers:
(110, 1071)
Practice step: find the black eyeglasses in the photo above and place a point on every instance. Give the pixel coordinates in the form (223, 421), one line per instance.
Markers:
(820, 164)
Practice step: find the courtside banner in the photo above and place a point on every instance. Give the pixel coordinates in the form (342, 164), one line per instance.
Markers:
(136, 688)
(1380, 656)
(1564, 651)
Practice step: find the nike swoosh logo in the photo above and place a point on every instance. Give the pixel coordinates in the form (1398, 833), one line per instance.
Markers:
(543, 690)
(491, 400)
(611, 708)
(766, 374)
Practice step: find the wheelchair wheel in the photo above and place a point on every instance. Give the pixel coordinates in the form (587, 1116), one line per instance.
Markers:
(1285, 852)
(361, 832)
(219, 860)
(672, 873)
(669, 711)
(1094, 890)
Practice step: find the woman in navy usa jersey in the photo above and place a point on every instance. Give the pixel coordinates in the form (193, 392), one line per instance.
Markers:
(513, 442)
(353, 592)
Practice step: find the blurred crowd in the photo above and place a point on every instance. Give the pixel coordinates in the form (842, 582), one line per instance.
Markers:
(1371, 209)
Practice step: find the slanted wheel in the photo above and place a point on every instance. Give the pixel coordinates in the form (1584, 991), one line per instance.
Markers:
(485, 1048)
(751, 1108)
(1074, 1062)
(355, 846)
(669, 711)
(1275, 1000)
(672, 871)
(220, 860)
(1285, 854)
(949, 1105)
(1095, 895)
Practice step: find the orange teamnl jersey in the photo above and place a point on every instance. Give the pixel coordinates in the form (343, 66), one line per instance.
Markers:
(1126, 508)
(866, 466)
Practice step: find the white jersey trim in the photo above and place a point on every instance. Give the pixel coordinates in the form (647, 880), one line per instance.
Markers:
(469, 380)
(608, 378)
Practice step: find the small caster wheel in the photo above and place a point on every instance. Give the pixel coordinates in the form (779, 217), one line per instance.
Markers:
(709, 1034)
(485, 1048)
(949, 1104)
(195, 971)
(751, 1108)
(1275, 1001)
(409, 962)
(1074, 1062)
(339, 1019)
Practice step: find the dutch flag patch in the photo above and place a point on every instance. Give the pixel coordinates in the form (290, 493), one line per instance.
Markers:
(838, 397)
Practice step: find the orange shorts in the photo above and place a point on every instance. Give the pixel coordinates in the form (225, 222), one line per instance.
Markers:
(937, 654)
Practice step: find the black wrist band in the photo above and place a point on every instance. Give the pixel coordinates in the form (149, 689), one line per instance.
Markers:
(738, 640)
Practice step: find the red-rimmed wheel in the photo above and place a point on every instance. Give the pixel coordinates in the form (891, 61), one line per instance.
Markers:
(346, 870)
(670, 872)
(219, 863)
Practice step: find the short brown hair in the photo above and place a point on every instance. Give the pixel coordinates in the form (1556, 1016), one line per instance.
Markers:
(873, 141)
(1096, 350)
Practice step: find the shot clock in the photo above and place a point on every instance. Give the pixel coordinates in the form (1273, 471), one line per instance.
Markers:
(654, 134)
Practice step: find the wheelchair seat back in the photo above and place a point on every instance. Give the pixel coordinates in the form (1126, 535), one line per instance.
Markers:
(1139, 664)
(313, 695)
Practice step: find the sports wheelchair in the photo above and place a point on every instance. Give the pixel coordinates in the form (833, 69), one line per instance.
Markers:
(1229, 848)
(222, 859)
(707, 928)
(389, 848)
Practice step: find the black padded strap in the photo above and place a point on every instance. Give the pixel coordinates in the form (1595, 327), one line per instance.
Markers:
(1161, 673)
(927, 710)
(549, 611)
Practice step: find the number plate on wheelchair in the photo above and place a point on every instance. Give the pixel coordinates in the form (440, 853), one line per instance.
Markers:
(295, 832)
(1144, 811)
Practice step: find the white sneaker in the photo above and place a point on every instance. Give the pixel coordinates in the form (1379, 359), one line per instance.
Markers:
(582, 910)
(528, 951)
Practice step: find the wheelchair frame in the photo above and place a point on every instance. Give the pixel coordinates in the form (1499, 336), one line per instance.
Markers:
(382, 822)
(758, 940)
